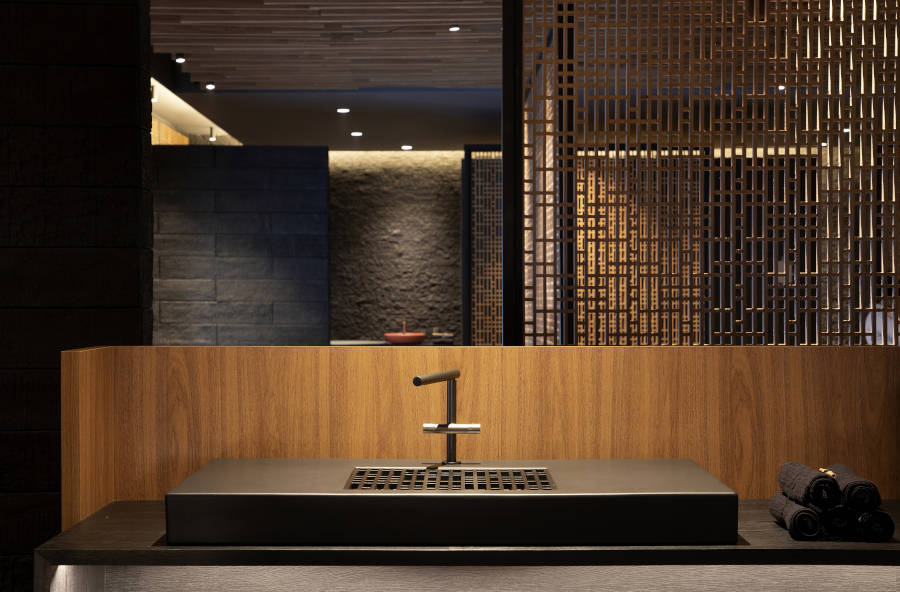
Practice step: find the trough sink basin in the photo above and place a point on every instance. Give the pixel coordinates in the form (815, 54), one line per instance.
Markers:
(407, 502)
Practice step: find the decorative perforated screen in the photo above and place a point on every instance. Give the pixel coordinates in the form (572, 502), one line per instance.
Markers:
(485, 197)
(710, 171)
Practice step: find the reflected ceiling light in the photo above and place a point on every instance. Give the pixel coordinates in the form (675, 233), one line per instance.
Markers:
(453, 28)
(212, 135)
(153, 98)
(846, 130)
(824, 143)
(406, 147)
(210, 86)
(781, 87)
(356, 134)
(343, 110)
(179, 58)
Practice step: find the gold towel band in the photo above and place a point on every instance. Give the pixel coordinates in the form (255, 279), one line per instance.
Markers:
(827, 472)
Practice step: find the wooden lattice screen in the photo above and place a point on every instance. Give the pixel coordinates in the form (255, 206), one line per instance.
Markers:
(711, 171)
(485, 211)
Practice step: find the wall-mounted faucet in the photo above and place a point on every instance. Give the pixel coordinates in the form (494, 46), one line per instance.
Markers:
(451, 428)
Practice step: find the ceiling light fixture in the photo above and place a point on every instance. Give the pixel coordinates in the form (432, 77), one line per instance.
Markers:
(824, 143)
(153, 98)
(846, 130)
(343, 110)
(406, 147)
(781, 87)
(453, 28)
(212, 136)
(179, 58)
(210, 86)
(356, 134)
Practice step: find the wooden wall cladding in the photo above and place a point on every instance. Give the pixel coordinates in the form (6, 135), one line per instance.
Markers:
(138, 420)
(338, 44)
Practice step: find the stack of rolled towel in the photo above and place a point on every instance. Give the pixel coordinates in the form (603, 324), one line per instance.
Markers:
(832, 503)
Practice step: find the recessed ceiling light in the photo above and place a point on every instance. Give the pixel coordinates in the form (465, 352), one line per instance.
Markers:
(781, 87)
(824, 143)
(179, 58)
(406, 147)
(343, 110)
(453, 28)
(356, 134)
(210, 86)
(212, 135)
(153, 98)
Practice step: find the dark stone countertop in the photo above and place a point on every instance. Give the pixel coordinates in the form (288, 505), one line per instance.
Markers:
(133, 533)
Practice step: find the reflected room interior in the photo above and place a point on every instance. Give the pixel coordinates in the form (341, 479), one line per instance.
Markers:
(699, 199)
(316, 196)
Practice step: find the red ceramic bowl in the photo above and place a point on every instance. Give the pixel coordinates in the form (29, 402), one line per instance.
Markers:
(404, 338)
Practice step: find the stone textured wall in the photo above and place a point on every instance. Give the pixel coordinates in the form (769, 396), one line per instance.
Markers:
(241, 245)
(394, 224)
(75, 231)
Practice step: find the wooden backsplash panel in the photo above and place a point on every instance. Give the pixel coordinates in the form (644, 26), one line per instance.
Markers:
(148, 417)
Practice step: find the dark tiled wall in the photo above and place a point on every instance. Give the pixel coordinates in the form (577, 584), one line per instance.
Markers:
(241, 251)
(75, 231)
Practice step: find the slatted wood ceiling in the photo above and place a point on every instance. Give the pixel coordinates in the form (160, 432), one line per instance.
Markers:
(332, 44)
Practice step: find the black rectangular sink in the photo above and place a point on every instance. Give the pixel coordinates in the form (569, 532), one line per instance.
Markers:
(403, 502)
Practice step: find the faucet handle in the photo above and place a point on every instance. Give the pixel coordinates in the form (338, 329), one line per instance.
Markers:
(451, 428)
(435, 377)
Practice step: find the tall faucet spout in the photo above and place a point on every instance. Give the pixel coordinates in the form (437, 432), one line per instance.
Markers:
(448, 376)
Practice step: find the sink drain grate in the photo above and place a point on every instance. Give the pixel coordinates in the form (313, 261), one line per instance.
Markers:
(448, 478)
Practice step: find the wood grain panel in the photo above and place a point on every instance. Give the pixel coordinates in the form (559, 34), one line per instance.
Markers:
(339, 44)
(737, 411)
(88, 434)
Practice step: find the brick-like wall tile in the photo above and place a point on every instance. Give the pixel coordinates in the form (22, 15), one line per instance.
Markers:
(245, 268)
(243, 223)
(262, 157)
(301, 313)
(270, 201)
(29, 461)
(187, 313)
(300, 223)
(259, 313)
(186, 267)
(59, 277)
(29, 399)
(186, 223)
(243, 245)
(272, 335)
(184, 334)
(28, 520)
(270, 291)
(299, 245)
(184, 244)
(295, 268)
(184, 200)
(184, 290)
(225, 221)
(33, 338)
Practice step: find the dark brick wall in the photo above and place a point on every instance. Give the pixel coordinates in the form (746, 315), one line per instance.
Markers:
(395, 242)
(241, 251)
(75, 231)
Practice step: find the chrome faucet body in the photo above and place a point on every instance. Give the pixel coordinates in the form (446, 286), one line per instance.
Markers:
(451, 428)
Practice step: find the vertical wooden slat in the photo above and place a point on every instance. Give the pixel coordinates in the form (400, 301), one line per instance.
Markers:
(735, 171)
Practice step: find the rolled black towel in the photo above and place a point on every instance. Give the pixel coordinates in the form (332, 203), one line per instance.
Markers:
(876, 526)
(858, 493)
(807, 486)
(839, 522)
(802, 523)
